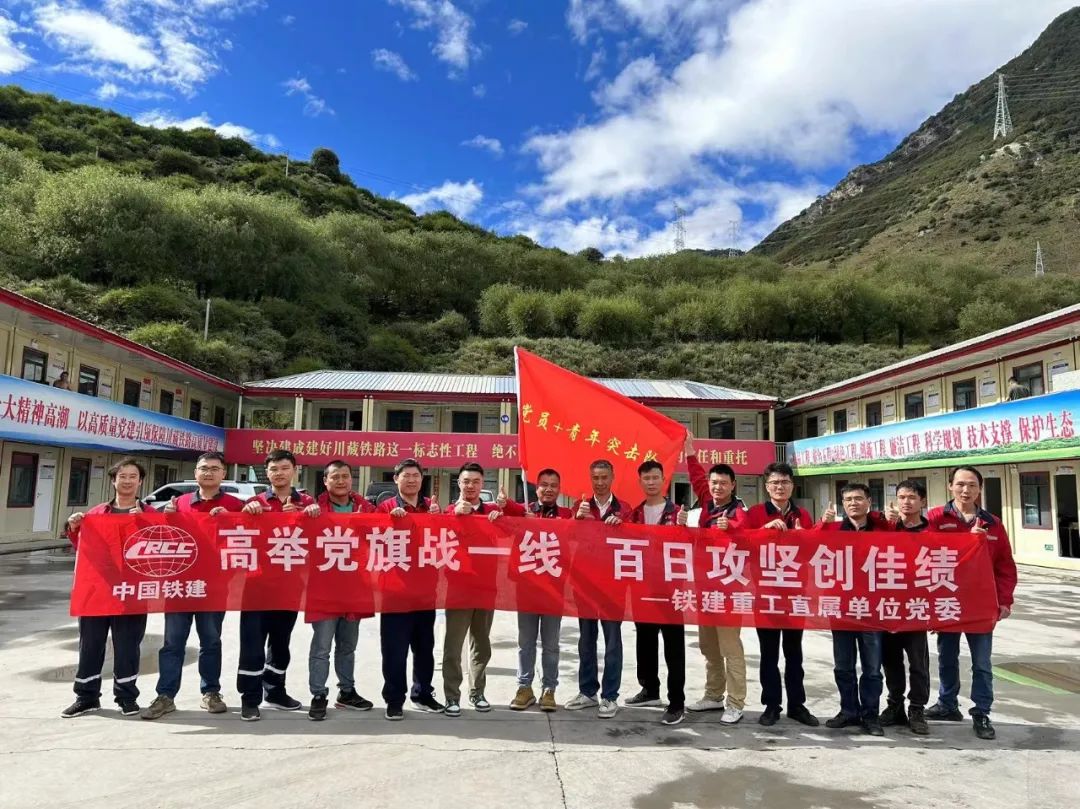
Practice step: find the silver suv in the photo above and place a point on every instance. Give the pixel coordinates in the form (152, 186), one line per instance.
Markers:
(245, 491)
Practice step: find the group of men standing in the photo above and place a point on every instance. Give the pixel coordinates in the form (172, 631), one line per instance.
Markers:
(265, 635)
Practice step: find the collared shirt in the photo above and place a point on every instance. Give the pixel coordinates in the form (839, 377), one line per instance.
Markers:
(423, 505)
(710, 512)
(270, 501)
(922, 525)
(668, 513)
(762, 513)
(355, 503)
(194, 502)
(479, 508)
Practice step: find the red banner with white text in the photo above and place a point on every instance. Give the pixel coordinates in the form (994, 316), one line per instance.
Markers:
(344, 563)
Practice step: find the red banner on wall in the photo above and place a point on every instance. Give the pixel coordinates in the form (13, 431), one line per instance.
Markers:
(373, 563)
(318, 447)
(446, 450)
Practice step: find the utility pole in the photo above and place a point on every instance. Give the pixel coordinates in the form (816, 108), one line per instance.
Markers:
(733, 237)
(1040, 269)
(206, 322)
(1003, 124)
(680, 228)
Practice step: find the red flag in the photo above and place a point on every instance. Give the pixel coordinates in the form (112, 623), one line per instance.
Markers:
(566, 422)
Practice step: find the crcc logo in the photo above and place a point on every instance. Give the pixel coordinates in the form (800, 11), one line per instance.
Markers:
(160, 550)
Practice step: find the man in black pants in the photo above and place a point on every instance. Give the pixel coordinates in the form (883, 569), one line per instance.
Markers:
(127, 630)
(401, 631)
(779, 513)
(657, 509)
(908, 516)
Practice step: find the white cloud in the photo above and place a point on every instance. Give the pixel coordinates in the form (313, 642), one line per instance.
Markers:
(515, 27)
(637, 79)
(288, 19)
(452, 26)
(479, 90)
(313, 104)
(88, 35)
(392, 63)
(164, 42)
(163, 120)
(461, 199)
(596, 64)
(109, 91)
(790, 80)
(12, 56)
(668, 20)
(493, 145)
(710, 210)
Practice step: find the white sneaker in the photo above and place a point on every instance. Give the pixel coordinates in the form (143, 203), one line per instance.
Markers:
(706, 705)
(608, 708)
(579, 702)
(731, 716)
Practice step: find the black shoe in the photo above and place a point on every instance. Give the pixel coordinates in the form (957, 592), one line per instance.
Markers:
(317, 711)
(872, 725)
(983, 728)
(842, 720)
(79, 707)
(282, 701)
(801, 715)
(917, 722)
(428, 704)
(129, 707)
(353, 701)
(770, 716)
(673, 716)
(394, 713)
(943, 714)
(643, 699)
(250, 713)
(894, 714)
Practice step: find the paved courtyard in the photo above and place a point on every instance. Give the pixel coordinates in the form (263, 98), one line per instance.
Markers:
(507, 759)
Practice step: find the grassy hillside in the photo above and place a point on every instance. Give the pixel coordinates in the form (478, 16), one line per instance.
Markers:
(133, 228)
(950, 190)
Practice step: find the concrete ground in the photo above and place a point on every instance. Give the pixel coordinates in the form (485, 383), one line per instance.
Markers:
(521, 760)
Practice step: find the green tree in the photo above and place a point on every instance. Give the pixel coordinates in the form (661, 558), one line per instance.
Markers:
(326, 162)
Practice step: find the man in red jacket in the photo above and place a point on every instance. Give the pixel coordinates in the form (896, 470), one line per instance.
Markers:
(339, 631)
(725, 659)
(605, 506)
(963, 513)
(657, 509)
(779, 513)
(531, 625)
(401, 631)
(265, 634)
(127, 630)
(207, 499)
(474, 623)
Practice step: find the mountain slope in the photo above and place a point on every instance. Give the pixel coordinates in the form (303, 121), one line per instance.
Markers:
(949, 189)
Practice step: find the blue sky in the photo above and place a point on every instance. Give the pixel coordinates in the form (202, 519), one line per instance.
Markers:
(578, 122)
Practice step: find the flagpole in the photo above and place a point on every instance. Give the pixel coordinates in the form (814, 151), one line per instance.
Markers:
(517, 397)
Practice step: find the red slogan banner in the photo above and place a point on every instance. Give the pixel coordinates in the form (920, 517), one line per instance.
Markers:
(373, 563)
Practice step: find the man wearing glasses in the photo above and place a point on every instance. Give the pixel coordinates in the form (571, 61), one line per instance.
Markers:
(779, 513)
(860, 698)
(207, 499)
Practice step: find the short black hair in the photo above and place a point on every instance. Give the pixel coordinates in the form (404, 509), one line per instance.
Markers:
(471, 466)
(114, 470)
(548, 471)
(855, 487)
(408, 463)
(971, 469)
(723, 469)
(912, 485)
(649, 466)
(602, 463)
(211, 456)
(779, 468)
(280, 455)
(335, 464)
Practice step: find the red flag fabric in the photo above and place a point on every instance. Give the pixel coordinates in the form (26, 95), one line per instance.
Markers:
(566, 422)
(365, 563)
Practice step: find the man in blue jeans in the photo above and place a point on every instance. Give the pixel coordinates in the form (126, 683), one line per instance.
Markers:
(963, 513)
(207, 499)
(860, 698)
(604, 506)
